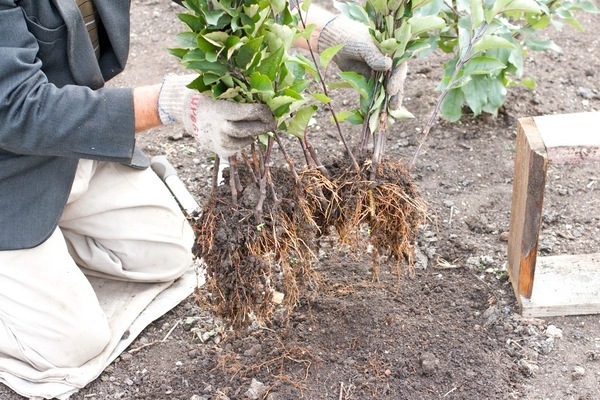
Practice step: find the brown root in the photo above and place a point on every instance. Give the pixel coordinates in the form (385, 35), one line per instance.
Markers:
(252, 259)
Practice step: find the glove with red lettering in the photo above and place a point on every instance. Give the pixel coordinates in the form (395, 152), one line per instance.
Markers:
(221, 126)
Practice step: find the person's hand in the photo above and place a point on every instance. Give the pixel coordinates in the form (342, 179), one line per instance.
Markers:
(361, 55)
(221, 126)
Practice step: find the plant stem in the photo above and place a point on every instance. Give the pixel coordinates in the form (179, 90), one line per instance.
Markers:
(232, 185)
(459, 65)
(215, 177)
(288, 160)
(325, 91)
(235, 173)
(264, 172)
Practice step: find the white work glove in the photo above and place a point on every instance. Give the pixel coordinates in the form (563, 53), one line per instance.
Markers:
(361, 55)
(221, 126)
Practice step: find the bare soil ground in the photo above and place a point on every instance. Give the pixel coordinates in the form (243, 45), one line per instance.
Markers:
(452, 330)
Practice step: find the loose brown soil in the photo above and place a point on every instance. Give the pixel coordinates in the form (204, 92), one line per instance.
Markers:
(449, 330)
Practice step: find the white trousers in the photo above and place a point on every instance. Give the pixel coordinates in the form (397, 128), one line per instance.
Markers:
(119, 223)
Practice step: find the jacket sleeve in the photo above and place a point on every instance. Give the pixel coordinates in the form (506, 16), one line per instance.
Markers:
(39, 118)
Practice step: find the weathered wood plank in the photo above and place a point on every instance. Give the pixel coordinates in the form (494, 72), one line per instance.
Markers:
(570, 138)
(565, 285)
(531, 163)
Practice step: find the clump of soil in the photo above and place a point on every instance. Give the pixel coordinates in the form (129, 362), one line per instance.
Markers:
(260, 248)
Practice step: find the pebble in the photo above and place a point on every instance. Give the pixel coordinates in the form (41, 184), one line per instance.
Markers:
(527, 368)
(578, 372)
(429, 363)
(256, 391)
(554, 332)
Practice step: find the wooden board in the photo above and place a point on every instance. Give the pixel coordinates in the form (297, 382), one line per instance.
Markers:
(526, 211)
(564, 285)
(570, 138)
(567, 284)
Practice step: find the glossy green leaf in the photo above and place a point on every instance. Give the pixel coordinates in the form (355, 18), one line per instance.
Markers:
(216, 38)
(492, 42)
(298, 123)
(452, 105)
(380, 6)
(353, 11)
(272, 64)
(402, 35)
(327, 55)
(192, 21)
(374, 119)
(357, 81)
(528, 82)
(321, 98)
(420, 24)
(477, 16)
(476, 94)
(388, 47)
(260, 82)
(278, 6)
(538, 44)
(186, 40)
(353, 117)
(483, 65)
(400, 113)
(248, 52)
(502, 6)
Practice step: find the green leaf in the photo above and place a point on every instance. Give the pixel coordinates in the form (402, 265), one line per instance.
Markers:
(278, 6)
(304, 5)
(230, 93)
(389, 47)
(179, 53)
(232, 44)
(374, 119)
(425, 24)
(353, 117)
(452, 105)
(491, 42)
(356, 81)
(496, 92)
(535, 44)
(402, 35)
(279, 101)
(476, 92)
(477, 15)
(192, 21)
(272, 64)
(298, 123)
(353, 11)
(216, 38)
(400, 113)
(248, 52)
(483, 65)
(208, 67)
(213, 17)
(321, 98)
(380, 6)
(260, 82)
(502, 6)
(528, 82)
(327, 55)
(186, 40)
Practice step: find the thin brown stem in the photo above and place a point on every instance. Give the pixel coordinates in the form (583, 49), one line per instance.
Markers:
(215, 177)
(459, 65)
(325, 91)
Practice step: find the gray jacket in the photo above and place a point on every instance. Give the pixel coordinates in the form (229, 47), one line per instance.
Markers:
(54, 109)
